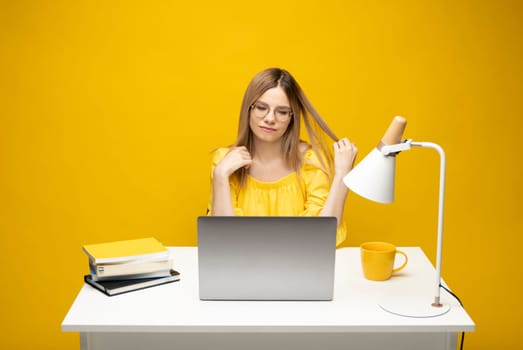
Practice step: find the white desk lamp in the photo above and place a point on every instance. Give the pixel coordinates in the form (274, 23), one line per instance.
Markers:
(373, 178)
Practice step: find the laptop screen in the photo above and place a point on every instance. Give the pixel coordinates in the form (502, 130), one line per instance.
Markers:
(266, 258)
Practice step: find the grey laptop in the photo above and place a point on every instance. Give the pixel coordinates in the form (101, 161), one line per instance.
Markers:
(266, 258)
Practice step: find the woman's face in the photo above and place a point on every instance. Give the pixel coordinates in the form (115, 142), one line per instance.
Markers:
(270, 116)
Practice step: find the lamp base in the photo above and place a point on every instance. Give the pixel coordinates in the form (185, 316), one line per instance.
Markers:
(412, 307)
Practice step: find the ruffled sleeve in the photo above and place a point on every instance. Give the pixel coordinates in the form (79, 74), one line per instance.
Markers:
(217, 157)
(316, 184)
(316, 190)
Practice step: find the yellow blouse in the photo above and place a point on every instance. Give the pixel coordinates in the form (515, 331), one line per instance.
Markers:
(292, 195)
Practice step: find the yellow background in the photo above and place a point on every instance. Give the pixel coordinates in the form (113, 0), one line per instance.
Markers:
(109, 109)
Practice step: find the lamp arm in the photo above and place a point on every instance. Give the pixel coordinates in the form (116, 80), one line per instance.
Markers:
(440, 214)
(388, 150)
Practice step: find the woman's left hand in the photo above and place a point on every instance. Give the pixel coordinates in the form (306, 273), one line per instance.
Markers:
(344, 155)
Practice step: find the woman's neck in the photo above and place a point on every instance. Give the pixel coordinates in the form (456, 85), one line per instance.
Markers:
(268, 162)
(266, 152)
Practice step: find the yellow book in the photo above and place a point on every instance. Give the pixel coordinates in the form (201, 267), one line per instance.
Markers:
(124, 251)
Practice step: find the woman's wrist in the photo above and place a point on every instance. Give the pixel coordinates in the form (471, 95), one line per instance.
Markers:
(220, 176)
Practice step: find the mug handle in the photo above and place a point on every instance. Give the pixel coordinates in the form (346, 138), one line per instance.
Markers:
(404, 263)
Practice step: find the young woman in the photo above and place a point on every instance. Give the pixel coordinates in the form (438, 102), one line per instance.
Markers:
(269, 170)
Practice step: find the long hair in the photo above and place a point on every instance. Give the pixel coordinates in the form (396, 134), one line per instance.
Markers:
(317, 129)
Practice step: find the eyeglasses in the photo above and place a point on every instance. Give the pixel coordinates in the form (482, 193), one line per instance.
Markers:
(260, 110)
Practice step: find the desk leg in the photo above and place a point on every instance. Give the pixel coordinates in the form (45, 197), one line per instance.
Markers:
(452, 341)
(84, 343)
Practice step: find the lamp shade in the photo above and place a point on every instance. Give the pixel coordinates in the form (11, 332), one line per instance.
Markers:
(373, 178)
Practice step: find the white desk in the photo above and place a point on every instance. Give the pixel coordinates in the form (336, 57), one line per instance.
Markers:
(171, 316)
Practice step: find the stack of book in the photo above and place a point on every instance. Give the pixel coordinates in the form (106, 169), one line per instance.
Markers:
(123, 266)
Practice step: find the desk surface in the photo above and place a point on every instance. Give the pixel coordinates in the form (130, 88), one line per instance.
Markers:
(176, 307)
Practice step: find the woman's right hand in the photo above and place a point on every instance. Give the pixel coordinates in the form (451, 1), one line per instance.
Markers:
(236, 158)
(345, 153)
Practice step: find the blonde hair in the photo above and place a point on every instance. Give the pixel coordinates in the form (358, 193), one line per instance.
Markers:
(316, 127)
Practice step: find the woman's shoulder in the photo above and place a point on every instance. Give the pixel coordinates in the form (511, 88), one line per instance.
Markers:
(310, 159)
(304, 148)
(218, 154)
(307, 154)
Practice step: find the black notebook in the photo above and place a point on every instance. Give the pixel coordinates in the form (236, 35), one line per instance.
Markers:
(128, 285)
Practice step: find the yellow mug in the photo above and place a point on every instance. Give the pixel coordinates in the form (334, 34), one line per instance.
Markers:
(377, 260)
